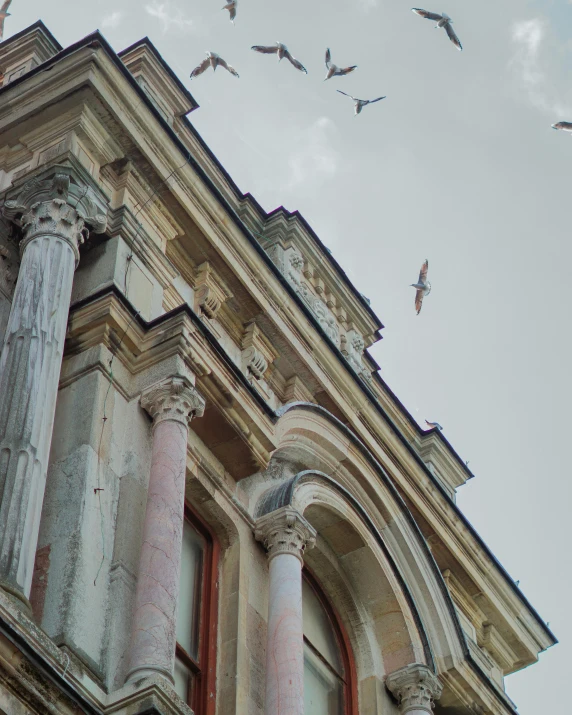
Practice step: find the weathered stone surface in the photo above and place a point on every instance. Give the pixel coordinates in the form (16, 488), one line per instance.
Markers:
(172, 403)
(285, 535)
(31, 357)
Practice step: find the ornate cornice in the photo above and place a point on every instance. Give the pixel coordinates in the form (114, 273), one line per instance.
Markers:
(416, 687)
(285, 531)
(173, 399)
(56, 203)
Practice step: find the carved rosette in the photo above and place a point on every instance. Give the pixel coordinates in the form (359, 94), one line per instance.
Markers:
(416, 687)
(173, 399)
(54, 205)
(285, 531)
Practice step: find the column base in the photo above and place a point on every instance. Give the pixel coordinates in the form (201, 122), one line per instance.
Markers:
(149, 672)
(17, 597)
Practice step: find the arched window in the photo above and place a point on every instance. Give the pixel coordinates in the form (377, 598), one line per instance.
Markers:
(329, 683)
(196, 617)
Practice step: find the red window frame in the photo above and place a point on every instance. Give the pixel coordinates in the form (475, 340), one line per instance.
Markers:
(348, 662)
(202, 695)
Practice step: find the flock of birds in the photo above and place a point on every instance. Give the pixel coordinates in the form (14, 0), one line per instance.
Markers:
(281, 51)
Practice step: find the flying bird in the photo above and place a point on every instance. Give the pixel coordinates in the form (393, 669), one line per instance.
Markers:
(423, 286)
(442, 20)
(359, 103)
(3, 15)
(434, 425)
(564, 126)
(231, 7)
(282, 51)
(212, 60)
(334, 70)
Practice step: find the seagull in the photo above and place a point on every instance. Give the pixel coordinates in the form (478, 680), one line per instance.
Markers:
(282, 51)
(334, 70)
(423, 286)
(359, 103)
(564, 126)
(231, 7)
(3, 15)
(442, 20)
(212, 60)
(434, 425)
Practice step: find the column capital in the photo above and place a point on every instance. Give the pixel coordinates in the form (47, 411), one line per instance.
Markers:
(56, 203)
(415, 687)
(285, 531)
(173, 399)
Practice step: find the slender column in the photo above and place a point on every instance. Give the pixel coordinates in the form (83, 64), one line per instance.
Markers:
(285, 535)
(51, 211)
(171, 403)
(416, 687)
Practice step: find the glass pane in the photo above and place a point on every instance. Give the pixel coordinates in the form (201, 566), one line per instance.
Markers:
(323, 691)
(182, 676)
(318, 628)
(188, 615)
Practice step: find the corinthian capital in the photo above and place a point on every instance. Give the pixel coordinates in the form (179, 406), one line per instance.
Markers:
(173, 399)
(285, 531)
(56, 203)
(415, 687)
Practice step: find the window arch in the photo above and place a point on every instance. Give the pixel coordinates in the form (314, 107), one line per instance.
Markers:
(329, 670)
(195, 669)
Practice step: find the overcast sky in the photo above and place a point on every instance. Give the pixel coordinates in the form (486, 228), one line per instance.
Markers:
(458, 165)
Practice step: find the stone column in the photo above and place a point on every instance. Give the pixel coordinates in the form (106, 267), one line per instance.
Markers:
(416, 687)
(171, 403)
(285, 534)
(51, 210)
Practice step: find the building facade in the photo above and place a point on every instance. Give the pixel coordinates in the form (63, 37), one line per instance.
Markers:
(210, 501)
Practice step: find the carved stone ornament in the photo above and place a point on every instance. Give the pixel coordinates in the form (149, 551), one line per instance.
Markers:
(54, 203)
(285, 531)
(173, 399)
(352, 347)
(416, 687)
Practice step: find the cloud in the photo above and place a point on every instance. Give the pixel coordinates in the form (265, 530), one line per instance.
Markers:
(112, 20)
(528, 37)
(315, 160)
(370, 4)
(170, 16)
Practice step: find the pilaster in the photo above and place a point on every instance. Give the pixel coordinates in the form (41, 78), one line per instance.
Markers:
(416, 688)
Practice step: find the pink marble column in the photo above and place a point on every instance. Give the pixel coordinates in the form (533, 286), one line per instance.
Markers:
(171, 404)
(51, 211)
(285, 534)
(416, 688)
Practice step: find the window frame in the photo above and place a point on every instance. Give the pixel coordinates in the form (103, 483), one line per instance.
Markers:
(343, 642)
(202, 697)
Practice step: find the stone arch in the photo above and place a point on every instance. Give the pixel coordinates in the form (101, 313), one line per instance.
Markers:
(341, 474)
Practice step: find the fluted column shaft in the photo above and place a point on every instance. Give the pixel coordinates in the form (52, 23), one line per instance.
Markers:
(286, 535)
(51, 213)
(172, 404)
(416, 688)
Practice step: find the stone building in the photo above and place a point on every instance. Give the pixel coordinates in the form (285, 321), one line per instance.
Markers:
(209, 499)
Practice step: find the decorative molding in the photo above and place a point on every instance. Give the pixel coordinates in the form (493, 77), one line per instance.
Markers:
(416, 687)
(211, 291)
(290, 263)
(173, 399)
(257, 352)
(55, 203)
(285, 531)
(352, 347)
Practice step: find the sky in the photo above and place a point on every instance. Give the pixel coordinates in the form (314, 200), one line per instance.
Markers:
(458, 165)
